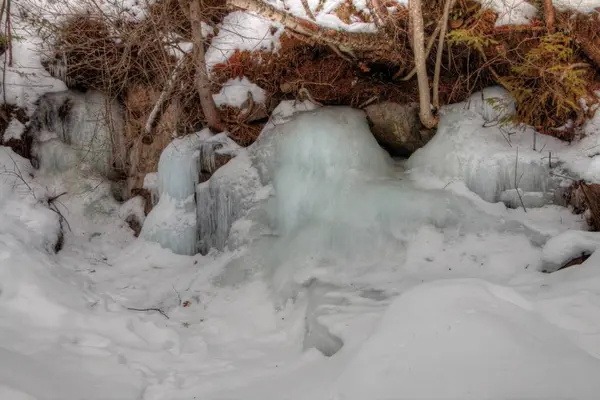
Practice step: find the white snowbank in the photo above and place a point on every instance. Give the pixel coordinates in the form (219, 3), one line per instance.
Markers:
(466, 340)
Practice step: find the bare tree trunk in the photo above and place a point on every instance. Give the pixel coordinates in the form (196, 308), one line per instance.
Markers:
(209, 108)
(549, 15)
(418, 37)
(440, 51)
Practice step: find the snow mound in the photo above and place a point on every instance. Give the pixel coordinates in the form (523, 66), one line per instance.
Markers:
(23, 205)
(567, 246)
(466, 339)
(493, 159)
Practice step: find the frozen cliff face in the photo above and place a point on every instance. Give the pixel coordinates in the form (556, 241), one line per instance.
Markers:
(72, 129)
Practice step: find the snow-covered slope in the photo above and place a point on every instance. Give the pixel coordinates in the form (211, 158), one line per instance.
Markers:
(341, 274)
(376, 284)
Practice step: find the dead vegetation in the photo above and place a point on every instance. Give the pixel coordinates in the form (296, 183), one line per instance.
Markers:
(547, 65)
(584, 198)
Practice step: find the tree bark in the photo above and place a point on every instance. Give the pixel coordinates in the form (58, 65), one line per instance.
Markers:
(549, 15)
(440, 51)
(209, 108)
(416, 21)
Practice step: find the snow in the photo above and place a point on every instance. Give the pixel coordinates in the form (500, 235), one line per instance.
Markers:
(330, 270)
(511, 12)
(584, 6)
(493, 157)
(70, 128)
(515, 354)
(242, 31)
(14, 130)
(234, 93)
(567, 246)
(26, 80)
(338, 259)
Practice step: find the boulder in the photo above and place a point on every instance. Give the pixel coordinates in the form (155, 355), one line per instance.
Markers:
(397, 127)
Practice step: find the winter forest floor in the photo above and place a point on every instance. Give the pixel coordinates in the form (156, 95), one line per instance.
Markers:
(335, 273)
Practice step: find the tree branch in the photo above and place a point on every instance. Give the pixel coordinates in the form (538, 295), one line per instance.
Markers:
(440, 51)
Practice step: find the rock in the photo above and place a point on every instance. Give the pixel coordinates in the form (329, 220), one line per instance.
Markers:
(397, 127)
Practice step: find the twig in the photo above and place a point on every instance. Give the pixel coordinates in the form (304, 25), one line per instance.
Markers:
(369, 101)
(563, 176)
(516, 184)
(307, 9)
(149, 309)
(53, 198)
(430, 43)
(178, 295)
(440, 51)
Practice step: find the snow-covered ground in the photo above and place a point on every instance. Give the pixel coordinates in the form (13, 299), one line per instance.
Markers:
(346, 274)
(375, 283)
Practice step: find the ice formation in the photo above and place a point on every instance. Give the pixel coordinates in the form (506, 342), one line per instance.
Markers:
(70, 128)
(474, 144)
(341, 209)
(172, 222)
(188, 216)
(14, 130)
(223, 199)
